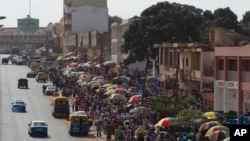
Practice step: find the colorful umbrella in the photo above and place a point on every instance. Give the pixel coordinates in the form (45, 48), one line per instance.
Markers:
(216, 128)
(113, 87)
(107, 85)
(205, 126)
(121, 91)
(109, 92)
(218, 136)
(226, 139)
(91, 82)
(212, 115)
(95, 85)
(84, 83)
(135, 99)
(140, 111)
(118, 97)
(168, 121)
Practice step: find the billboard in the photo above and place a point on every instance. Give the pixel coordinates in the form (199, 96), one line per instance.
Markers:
(28, 24)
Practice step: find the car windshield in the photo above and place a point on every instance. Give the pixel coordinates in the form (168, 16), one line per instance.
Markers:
(19, 102)
(23, 80)
(39, 123)
(51, 88)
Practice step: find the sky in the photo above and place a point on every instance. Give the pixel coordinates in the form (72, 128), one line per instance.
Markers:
(52, 10)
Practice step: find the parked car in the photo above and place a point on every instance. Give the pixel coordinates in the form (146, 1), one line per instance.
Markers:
(20, 62)
(22, 83)
(5, 61)
(31, 74)
(18, 105)
(38, 127)
(50, 90)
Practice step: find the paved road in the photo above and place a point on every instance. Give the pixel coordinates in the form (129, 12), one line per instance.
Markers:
(13, 126)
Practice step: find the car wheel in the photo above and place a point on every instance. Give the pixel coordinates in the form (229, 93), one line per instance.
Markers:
(70, 133)
(30, 134)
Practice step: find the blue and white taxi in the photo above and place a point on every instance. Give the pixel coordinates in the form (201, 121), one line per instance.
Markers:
(38, 127)
(18, 106)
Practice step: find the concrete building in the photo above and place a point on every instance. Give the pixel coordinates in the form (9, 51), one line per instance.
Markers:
(24, 40)
(232, 69)
(192, 62)
(117, 40)
(82, 16)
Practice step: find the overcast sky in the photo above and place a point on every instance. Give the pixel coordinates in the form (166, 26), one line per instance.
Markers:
(52, 10)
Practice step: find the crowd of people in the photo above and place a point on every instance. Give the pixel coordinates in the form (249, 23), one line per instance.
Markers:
(112, 117)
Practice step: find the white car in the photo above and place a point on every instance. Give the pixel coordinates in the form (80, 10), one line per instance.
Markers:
(50, 90)
(38, 127)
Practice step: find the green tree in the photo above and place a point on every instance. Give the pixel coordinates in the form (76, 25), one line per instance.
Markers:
(245, 23)
(168, 106)
(163, 22)
(187, 116)
(204, 29)
(226, 18)
(114, 19)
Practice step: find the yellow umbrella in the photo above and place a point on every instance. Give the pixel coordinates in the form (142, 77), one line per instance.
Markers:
(216, 128)
(167, 121)
(84, 83)
(109, 92)
(107, 85)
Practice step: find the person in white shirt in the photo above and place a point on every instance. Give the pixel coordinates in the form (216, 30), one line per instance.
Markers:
(72, 103)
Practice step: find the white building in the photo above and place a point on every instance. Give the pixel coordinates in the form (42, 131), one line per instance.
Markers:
(84, 16)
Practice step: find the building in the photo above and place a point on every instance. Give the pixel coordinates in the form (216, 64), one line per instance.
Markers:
(117, 40)
(24, 40)
(190, 63)
(232, 69)
(117, 32)
(82, 16)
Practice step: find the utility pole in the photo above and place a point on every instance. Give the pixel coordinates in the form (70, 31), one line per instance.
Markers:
(176, 88)
(145, 76)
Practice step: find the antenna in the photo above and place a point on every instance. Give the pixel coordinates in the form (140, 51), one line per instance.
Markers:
(30, 7)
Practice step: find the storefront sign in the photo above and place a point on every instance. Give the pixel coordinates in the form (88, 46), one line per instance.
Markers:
(220, 84)
(232, 85)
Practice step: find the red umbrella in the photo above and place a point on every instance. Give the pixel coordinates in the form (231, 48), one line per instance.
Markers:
(166, 122)
(135, 99)
(140, 111)
(205, 126)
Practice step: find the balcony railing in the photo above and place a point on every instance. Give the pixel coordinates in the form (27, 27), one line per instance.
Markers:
(190, 74)
(245, 76)
(232, 76)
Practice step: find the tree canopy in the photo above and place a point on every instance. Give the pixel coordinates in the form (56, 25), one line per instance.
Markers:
(173, 22)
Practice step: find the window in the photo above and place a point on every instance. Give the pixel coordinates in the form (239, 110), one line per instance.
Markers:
(187, 62)
(232, 65)
(246, 65)
(221, 64)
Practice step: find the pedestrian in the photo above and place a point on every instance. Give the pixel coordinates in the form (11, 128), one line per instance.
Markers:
(72, 102)
(98, 126)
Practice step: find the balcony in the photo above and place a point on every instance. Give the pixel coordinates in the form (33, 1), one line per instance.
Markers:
(67, 10)
(190, 74)
(220, 74)
(67, 32)
(232, 76)
(67, 21)
(245, 76)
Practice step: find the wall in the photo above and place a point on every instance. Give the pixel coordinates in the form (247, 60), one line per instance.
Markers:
(87, 18)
